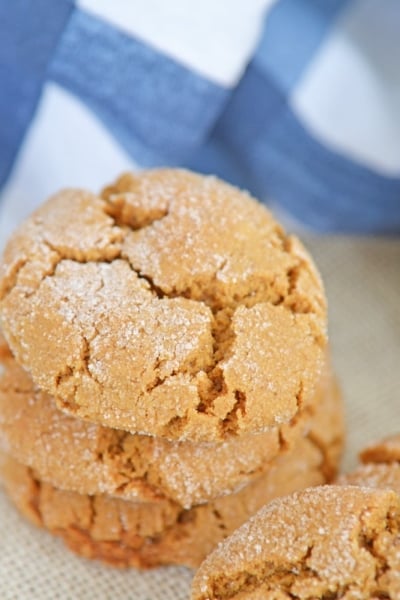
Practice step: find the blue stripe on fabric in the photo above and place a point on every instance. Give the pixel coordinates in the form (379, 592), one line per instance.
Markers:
(216, 158)
(26, 46)
(280, 158)
(224, 154)
(156, 108)
(293, 31)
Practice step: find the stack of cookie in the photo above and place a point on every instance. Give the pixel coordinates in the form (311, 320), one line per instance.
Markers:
(164, 367)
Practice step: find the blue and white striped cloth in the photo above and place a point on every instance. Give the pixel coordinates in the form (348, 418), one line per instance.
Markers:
(296, 100)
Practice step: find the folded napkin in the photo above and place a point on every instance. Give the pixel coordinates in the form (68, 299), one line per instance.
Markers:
(296, 100)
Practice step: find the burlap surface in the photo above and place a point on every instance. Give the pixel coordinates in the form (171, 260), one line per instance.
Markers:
(362, 278)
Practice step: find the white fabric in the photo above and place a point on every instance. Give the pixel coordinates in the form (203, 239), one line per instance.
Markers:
(216, 39)
(350, 94)
(363, 286)
(53, 157)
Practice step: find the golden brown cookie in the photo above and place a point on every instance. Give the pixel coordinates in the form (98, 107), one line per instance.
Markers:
(381, 468)
(374, 475)
(383, 451)
(146, 535)
(174, 305)
(91, 459)
(327, 542)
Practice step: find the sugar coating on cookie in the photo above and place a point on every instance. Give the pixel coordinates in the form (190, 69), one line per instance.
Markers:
(326, 542)
(146, 535)
(88, 458)
(172, 305)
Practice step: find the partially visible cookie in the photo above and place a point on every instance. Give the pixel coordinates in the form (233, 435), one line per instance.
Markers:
(78, 456)
(327, 542)
(123, 533)
(173, 306)
(383, 451)
(381, 468)
(374, 475)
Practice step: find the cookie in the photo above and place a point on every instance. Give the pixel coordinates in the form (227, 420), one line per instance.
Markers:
(383, 451)
(145, 535)
(91, 459)
(325, 542)
(381, 468)
(374, 475)
(172, 305)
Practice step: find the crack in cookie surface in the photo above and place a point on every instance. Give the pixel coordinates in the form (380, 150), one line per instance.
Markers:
(160, 226)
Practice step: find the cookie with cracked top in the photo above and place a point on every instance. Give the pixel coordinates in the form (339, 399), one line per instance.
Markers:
(172, 305)
(145, 535)
(325, 542)
(88, 458)
(335, 542)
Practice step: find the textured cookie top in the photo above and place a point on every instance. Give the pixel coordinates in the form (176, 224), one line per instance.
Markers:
(325, 542)
(92, 459)
(173, 305)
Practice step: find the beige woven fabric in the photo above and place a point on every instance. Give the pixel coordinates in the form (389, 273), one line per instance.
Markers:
(362, 278)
